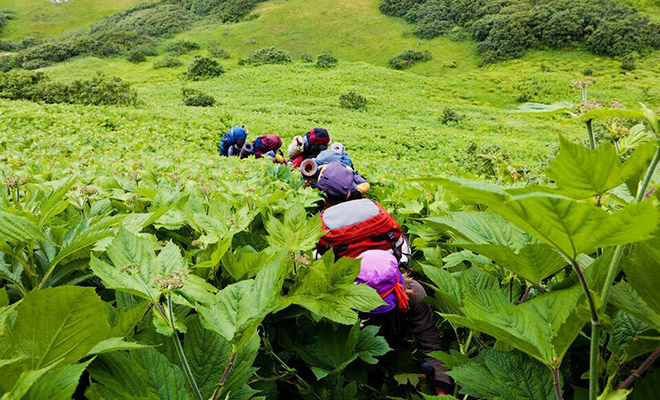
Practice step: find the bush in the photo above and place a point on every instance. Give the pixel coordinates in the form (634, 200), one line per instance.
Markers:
(588, 72)
(153, 19)
(168, 62)
(451, 117)
(7, 62)
(196, 98)
(409, 57)
(353, 101)
(326, 60)
(269, 55)
(204, 68)
(531, 90)
(216, 50)
(225, 10)
(6, 16)
(180, 47)
(99, 90)
(622, 37)
(53, 52)
(307, 58)
(140, 54)
(7, 45)
(628, 63)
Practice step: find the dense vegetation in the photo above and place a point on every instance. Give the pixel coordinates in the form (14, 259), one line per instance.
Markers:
(119, 218)
(506, 29)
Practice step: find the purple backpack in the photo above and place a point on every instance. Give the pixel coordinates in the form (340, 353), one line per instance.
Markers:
(336, 180)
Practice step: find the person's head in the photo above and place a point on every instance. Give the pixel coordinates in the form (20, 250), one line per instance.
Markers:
(380, 270)
(317, 137)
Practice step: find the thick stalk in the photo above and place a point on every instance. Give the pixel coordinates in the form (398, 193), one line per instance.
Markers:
(555, 378)
(613, 269)
(590, 131)
(595, 334)
(640, 370)
(181, 354)
(224, 376)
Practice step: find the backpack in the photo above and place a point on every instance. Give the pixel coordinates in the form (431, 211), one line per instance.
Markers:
(270, 142)
(328, 156)
(317, 136)
(337, 181)
(356, 226)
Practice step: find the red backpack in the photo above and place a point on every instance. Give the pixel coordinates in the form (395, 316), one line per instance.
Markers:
(359, 225)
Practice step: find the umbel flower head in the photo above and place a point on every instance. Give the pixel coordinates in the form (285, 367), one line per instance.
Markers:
(173, 280)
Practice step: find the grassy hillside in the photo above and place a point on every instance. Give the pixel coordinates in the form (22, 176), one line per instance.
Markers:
(42, 18)
(401, 131)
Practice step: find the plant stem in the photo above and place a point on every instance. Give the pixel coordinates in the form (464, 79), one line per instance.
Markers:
(590, 131)
(640, 370)
(179, 350)
(595, 334)
(613, 270)
(224, 376)
(522, 299)
(555, 378)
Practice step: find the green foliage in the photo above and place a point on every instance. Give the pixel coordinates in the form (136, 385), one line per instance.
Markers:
(180, 47)
(201, 68)
(505, 30)
(407, 58)
(216, 50)
(168, 62)
(352, 101)
(268, 55)
(307, 58)
(99, 90)
(6, 16)
(326, 61)
(140, 53)
(451, 117)
(197, 98)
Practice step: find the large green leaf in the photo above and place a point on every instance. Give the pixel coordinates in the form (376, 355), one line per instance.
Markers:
(143, 373)
(582, 172)
(642, 268)
(57, 384)
(245, 263)
(16, 229)
(543, 327)
(505, 375)
(209, 354)
(492, 236)
(135, 267)
(625, 298)
(239, 308)
(327, 290)
(295, 232)
(76, 321)
(569, 226)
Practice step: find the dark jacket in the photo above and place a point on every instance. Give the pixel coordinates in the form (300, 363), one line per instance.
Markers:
(419, 322)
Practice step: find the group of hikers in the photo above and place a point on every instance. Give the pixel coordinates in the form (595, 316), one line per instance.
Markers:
(360, 228)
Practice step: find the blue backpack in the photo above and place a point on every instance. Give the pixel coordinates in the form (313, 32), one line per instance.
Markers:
(328, 156)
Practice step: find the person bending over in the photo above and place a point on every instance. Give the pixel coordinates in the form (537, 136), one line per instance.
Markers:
(233, 141)
(404, 313)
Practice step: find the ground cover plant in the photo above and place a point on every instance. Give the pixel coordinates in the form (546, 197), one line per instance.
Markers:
(169, 272)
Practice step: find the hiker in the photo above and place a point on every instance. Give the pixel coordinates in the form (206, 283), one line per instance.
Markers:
(295, 149)
(330, 155)
(265, 143)
(232, 143)
(337, 181)
(261, 145)
(314, 142)
(356, 226)
(404, 313)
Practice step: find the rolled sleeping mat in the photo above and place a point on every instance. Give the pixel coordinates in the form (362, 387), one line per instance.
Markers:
(309, 169)
(337, 147)
(248, 149)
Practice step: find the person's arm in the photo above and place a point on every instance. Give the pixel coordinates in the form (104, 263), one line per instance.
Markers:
(297, 161)
(421, 323)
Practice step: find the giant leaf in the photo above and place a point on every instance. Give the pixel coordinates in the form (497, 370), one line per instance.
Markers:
(295, 232)
(327, 290)
(627, 299)
(16, 229)
(583, 172)
(239, 308)
(505, 375)
(543, 327)
(57, 384)
(642, 268)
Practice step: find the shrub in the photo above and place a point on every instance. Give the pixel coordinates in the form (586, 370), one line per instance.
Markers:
(326, 60)
(628, 63)
(196, 98)
(7, 62)
(225, 10)
(269, 55)
(587, 72)
(451, 117)
(140, 54)
(621, 37)
(153, 19)
(180, 47)
(409, 57)
(204, 68)
(216, 50)
(307, 58)
(531, 90)
(353, 101)
(99, 90)
(6, 16)
(168, 62)
(7, 45)
(48, 53)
